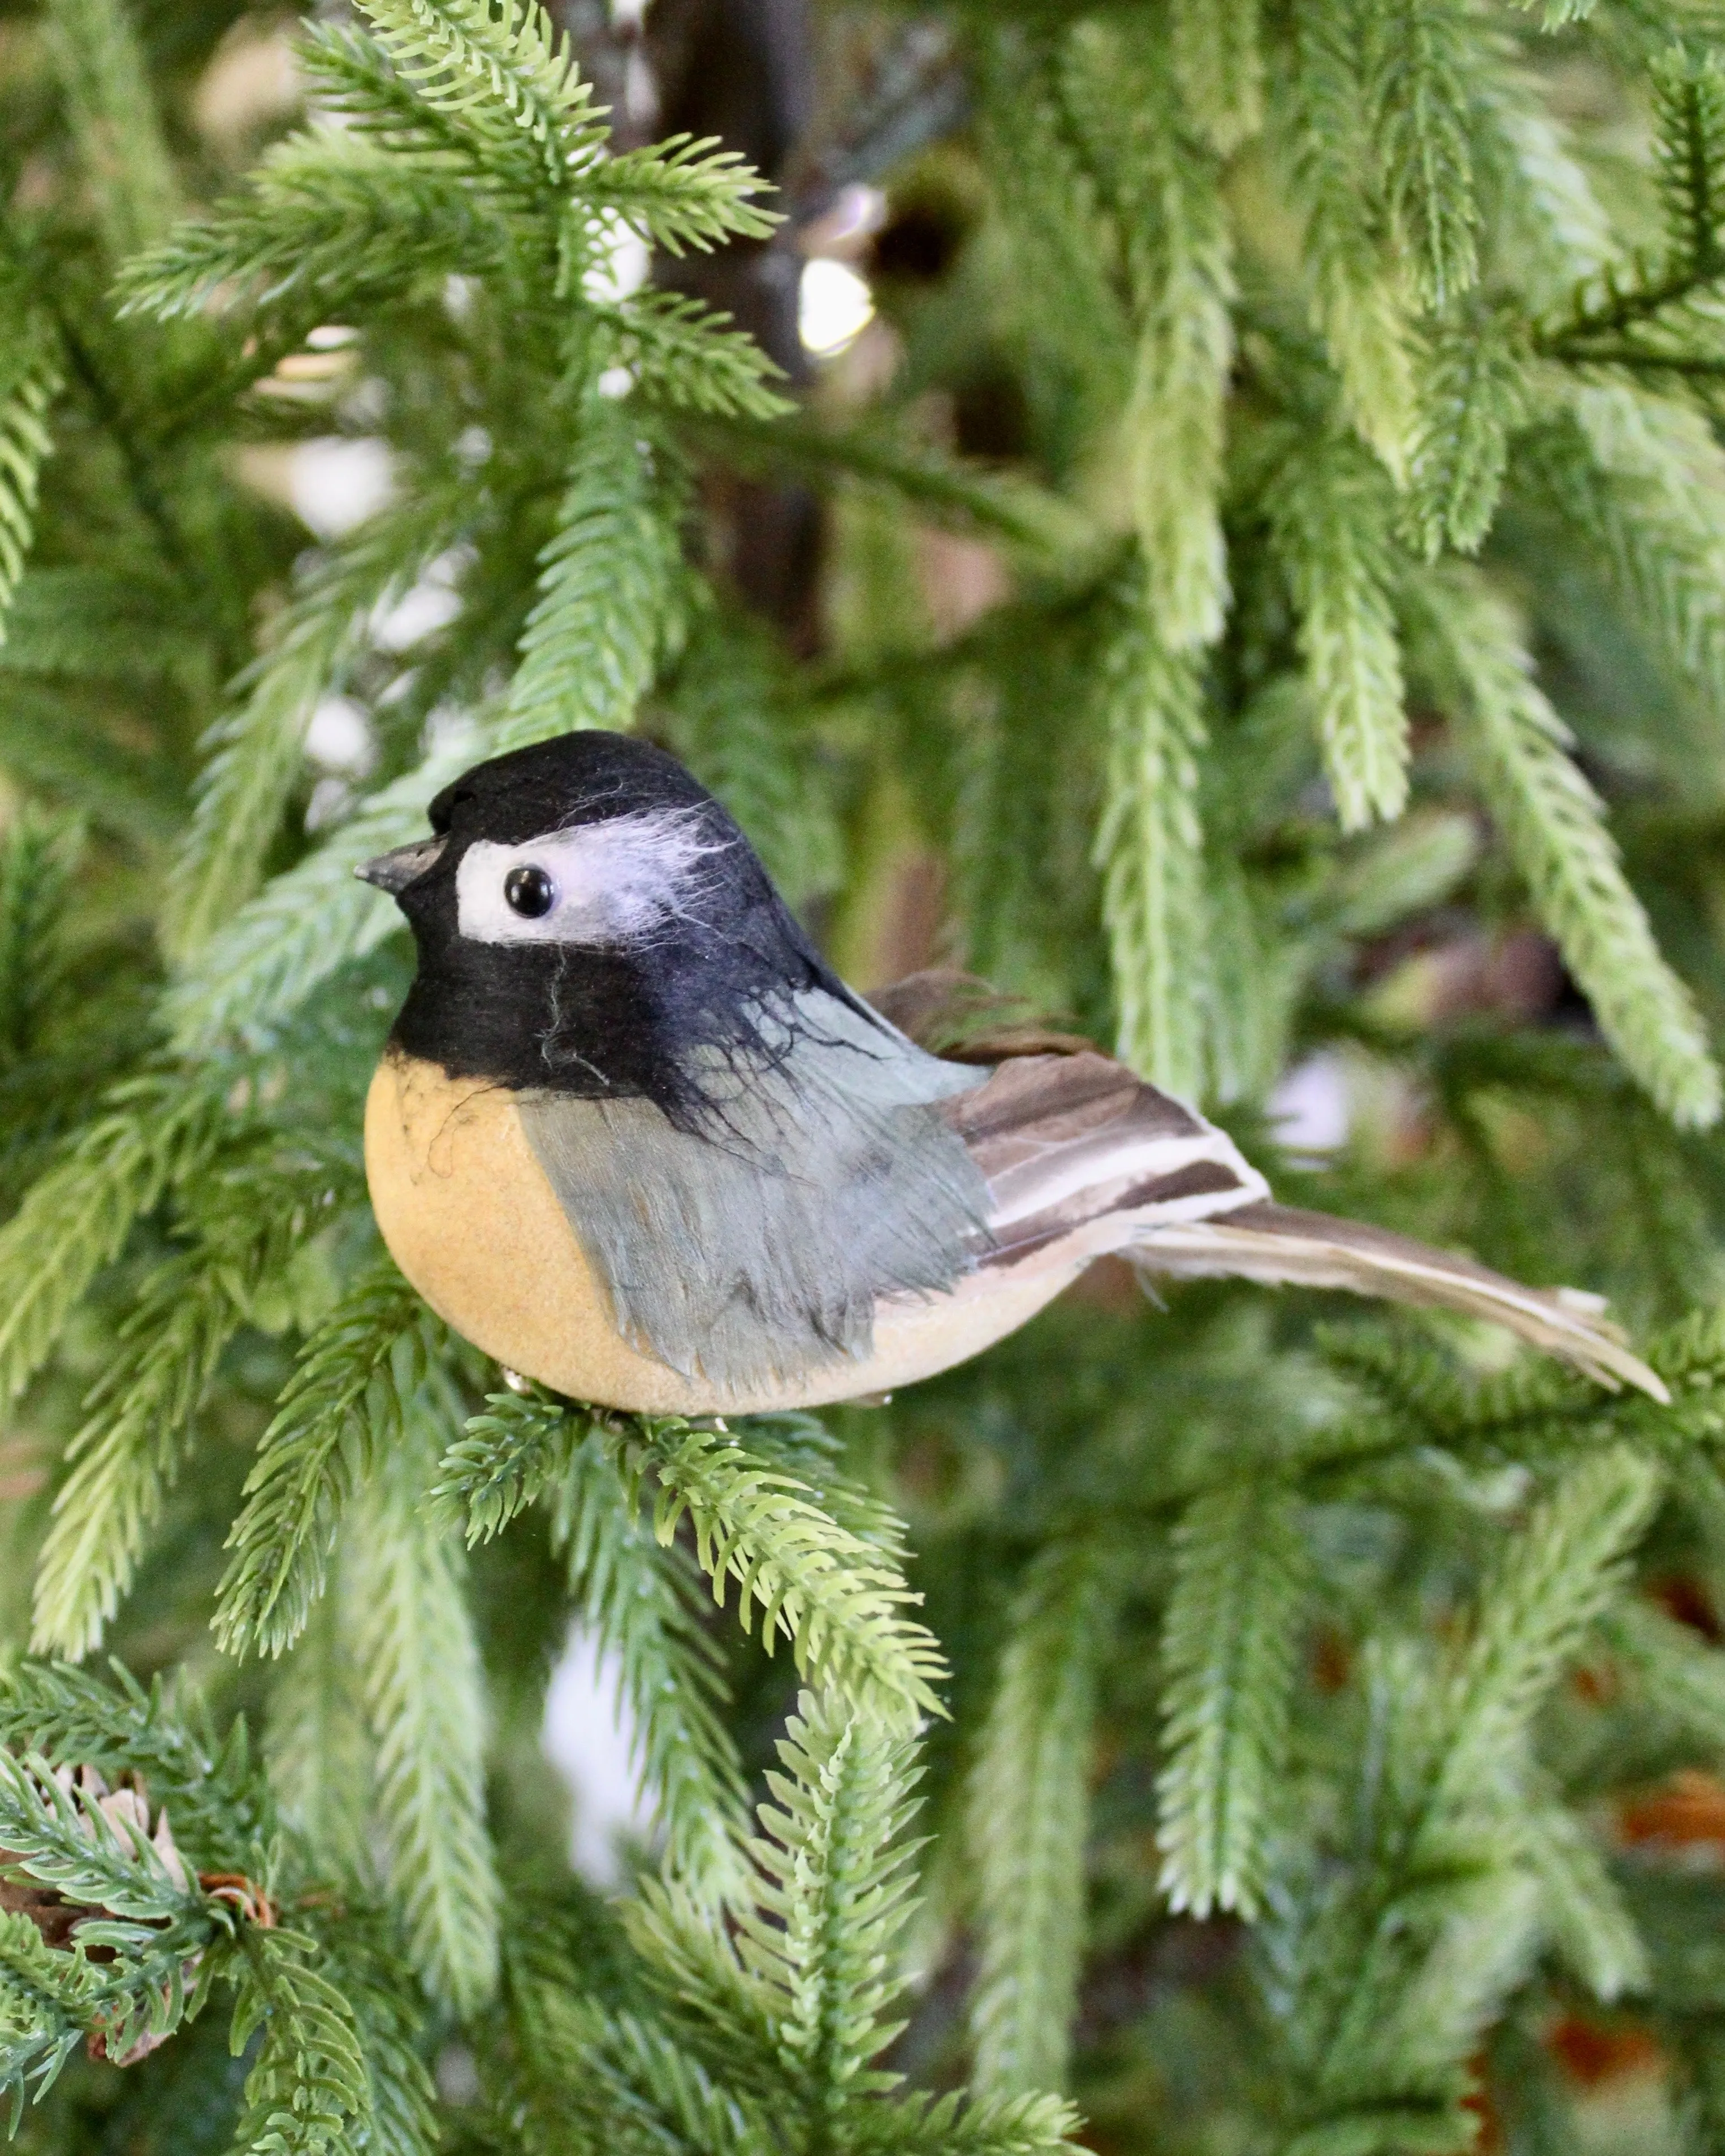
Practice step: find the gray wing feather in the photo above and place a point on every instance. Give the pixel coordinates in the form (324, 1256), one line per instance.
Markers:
(757, 1247)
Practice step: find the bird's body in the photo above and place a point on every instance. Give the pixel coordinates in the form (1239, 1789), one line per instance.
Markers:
(632, 1138)
(475, 1223)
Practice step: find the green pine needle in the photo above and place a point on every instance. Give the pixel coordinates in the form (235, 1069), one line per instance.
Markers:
(328, 223)
(256, 752)
(1219, 67)
(129, 1453)
(308, 2093)
(836, 1880)
(1418, 101)
(30, 379)
(321, 1761)
(1355, 297)
(1556, 831)
(342, 1410)
(1230, 1648)
(254, 974)
(641, 1602)
(1149, 849)
(153, 1132)
(839, 1599)
(1472, 395)
(610, 584)
(504, 79)
(1330, 520)
(1029, 1819)
(114, 123)
(419, 1661)
(681, 193)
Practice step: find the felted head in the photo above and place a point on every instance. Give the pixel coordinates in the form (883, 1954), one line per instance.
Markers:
(587, 914)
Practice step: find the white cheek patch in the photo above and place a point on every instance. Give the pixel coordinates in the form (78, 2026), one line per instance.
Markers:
(622, 881)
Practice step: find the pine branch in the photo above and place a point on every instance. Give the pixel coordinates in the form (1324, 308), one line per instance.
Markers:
(1179, 272)
(39, 857)
(503, 79)
(680, 194)
(1355, 297)
(1534, 1612)
(1472, 395)
(504, 1461)
(329, 222)
(1149, 849)
(681, 354)
(1064, 304)
(114, 123)
(1029, 1813)
(1682, 1680)
(304, 926)
(342, 1410)
(643, 2089)
(1230, 1647)
(1417, 98)
(308, 2094)
(799, 1443)
(99, 625)
(421, 1669)
(256, 752)
(723, 2013)
(737, 727)
(58, 1832)
(1403, 1965)
(128, 1454)
(1635, 479)
(1689, 92)
(641, 1602)
(1220, 69)
(47, 1999)
(1330, 514)
(1582, 1911)
(1556, 831)
(610, 587)
(213, 1792)
(835, 1893)
(123, 1986)
(30, 380)
(321, 1760)
(967, 496)
(65, 755)
(351, 75)
(154, 1132)
(952, 2125)
(364, 1968)
(1555, 232)
(835, 1597)
(1689, 110)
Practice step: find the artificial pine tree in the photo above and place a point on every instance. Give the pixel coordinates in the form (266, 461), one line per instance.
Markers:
(1291, 1721)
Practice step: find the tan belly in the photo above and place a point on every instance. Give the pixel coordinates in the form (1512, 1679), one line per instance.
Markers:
(471, 1220)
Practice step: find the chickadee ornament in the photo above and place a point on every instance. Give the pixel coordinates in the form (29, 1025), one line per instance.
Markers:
(634, 1138)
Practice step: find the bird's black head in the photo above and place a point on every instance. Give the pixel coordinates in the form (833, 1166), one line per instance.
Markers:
(587, 916)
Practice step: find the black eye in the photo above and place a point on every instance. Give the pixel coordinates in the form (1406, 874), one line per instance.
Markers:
(530, 891)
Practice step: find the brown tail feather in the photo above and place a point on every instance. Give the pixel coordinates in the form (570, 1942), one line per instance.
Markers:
(1271, 1242)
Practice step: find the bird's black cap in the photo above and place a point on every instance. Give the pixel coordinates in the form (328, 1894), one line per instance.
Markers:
(592, 1020)
(574, 778)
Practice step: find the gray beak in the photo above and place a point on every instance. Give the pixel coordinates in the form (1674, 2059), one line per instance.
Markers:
(394, 872)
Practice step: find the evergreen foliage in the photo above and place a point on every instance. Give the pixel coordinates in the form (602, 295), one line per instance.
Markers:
(1272, 613)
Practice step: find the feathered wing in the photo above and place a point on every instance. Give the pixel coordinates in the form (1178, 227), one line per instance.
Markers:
(1073, 1146)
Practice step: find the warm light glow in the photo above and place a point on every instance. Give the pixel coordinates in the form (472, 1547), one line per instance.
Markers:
(833, 306)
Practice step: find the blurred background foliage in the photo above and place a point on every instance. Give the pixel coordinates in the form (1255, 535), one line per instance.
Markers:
(1220, 531)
